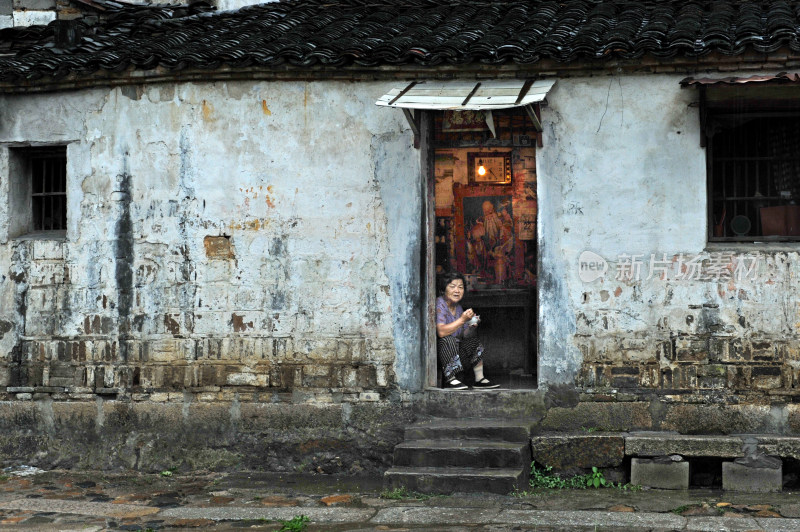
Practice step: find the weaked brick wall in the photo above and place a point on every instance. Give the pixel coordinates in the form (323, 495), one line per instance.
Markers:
(731, 340)
(237, 356)
(684, 365)
(205, 257)
(209, 367)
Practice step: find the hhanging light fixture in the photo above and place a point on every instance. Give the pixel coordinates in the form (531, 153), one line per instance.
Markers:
(481, 168)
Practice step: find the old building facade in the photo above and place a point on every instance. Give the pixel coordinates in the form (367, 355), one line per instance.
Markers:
(216, 253)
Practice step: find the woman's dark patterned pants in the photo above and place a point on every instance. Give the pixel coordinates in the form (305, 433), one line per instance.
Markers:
(457, 353)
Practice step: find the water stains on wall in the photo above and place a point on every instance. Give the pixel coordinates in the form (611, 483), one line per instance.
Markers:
(216, 259)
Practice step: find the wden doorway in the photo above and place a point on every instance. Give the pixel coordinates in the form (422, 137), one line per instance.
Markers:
(485, 227)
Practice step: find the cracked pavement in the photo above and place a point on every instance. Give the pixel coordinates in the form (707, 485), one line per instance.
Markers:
(94, 501)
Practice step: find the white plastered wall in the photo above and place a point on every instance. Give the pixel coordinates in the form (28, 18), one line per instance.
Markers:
(621, 173)
(316, 188)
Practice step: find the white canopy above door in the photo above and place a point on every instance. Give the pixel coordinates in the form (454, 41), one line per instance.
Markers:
(460, 95)
(467, 95)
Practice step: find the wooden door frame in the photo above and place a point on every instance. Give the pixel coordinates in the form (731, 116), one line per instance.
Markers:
(427, 180)
(428, 258)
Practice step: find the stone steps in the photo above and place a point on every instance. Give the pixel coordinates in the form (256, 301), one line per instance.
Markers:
(460, 453)
(455, 479)
(466, 455)
(470, 429)
(493, 404)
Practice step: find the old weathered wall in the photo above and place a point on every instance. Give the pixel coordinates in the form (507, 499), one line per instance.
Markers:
(253, 242)
(622, 173)
(201, 435)
(239, 282)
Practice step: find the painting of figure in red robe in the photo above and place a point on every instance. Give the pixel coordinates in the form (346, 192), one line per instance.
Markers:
(489, 238)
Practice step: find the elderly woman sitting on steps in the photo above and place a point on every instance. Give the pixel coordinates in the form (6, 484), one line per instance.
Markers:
(457, 343)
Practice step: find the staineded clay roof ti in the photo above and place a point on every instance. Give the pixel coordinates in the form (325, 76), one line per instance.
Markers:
(370, 33)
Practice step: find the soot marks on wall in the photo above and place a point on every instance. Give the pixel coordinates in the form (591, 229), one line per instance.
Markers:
(5, 326)
(137, 258)
(279, 272)
(187, 215)
(124, 259)
(401, 205)
(20, 264)
(555, 366)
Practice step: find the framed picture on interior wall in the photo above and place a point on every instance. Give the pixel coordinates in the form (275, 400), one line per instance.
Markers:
(485, 235)
(492, 167)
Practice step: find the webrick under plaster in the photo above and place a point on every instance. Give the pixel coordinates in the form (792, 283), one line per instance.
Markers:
(614, 177)
(324, 239)
(621, 173)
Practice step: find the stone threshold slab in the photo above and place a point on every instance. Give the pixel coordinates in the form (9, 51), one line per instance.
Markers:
(644, 444)
(660, 444)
